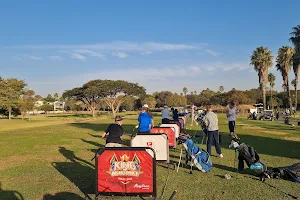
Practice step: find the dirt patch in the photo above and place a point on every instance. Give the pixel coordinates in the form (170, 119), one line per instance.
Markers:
(294, 139)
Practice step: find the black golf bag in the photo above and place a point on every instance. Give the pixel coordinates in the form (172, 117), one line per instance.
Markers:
(249, 155)
(290, 172)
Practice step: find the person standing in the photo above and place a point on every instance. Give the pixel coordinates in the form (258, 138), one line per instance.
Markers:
(277, 115)
(114, 133)
(149, 113)
(193, 114)
(165, 114)
(145, 121)
(231, 117)
(175, 115)
(211, 122)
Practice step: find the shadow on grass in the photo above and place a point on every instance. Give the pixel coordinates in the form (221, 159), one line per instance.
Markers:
(81, 173)
(10, 194)
(61, 196)
(263, 145)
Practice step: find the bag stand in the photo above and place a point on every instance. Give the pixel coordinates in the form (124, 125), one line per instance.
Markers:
(186, 162)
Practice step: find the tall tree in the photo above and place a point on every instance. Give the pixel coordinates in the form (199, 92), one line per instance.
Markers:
(49, 98)
(150, 100)
(261, 59)
(284, 65)
(27, 102)
(185, 91)
(295, 39)
(108, 90)
(271, 80)
(10, 91)
(195, 92)
(38, 97)
(89, 96)
(56, 97)
(221, 88)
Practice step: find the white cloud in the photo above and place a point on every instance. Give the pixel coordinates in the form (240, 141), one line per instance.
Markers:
(195, 68)
(16, 58)
(55, 57)
(146, 53)
(120, 46)
(34, 58)
(213, 53)
(78, 56)
(91, 53)
(121, 54)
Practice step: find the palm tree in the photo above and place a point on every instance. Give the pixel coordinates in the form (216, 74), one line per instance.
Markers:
(185, 91)
(284, 65)
(271, 79)
(295, 39)
(221, 88)
(262, 59)
(293, 83)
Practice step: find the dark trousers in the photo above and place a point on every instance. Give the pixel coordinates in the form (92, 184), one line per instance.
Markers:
(213, 138)
(165, 121)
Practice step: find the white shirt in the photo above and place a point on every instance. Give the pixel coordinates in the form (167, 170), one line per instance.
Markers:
(165, 113)
(231, 115)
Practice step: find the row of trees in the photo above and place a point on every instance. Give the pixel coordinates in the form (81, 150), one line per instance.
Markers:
(287, 58)
(15, 98)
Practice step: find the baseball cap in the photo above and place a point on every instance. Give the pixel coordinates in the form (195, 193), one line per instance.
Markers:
(165, 106)
(145, 106)
(118, 118)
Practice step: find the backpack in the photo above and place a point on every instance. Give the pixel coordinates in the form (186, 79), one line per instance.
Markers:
(290, 172)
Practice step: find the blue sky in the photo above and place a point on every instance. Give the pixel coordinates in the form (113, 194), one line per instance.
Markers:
(58, 45)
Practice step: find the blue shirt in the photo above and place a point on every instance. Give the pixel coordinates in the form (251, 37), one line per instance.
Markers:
(145, 122)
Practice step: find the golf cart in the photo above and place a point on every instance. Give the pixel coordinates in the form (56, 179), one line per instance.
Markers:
(269, 115)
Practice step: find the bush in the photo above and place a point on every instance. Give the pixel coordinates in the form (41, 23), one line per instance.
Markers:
(47, 107)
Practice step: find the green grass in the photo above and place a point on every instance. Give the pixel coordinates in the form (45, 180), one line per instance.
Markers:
(34, 159)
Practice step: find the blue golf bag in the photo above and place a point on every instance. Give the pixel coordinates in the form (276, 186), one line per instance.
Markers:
(199, 157)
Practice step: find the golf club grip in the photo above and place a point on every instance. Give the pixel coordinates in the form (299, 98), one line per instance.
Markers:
(173, 194)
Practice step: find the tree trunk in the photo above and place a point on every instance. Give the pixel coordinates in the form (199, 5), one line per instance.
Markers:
(271, 99)
(264, 100)
(93, 112)
(289, 96)
(296, 95)
(9, 113)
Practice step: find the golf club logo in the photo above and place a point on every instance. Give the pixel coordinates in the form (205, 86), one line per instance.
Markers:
(124, 166)
(149, 144)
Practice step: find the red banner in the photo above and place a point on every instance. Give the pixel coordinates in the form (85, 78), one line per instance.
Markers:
(125, 171)
(169, 132)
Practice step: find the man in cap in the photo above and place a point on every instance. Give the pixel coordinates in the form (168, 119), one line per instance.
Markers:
(211, 122)
(165, 114)
(114, 133)
(145, 121)
(149, 113)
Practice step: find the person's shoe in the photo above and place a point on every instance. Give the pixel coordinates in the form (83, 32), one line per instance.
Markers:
(220, 155)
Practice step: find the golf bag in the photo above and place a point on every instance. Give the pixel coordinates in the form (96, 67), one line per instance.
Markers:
(249, 155)
(199, 118)
(290, 172)
(198, 157)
